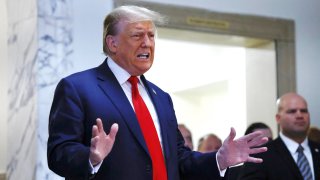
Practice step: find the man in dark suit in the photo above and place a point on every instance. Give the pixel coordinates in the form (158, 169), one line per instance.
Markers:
(281, 161)
(95, 126)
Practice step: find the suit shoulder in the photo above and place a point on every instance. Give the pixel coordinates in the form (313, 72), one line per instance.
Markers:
(81, 77)
(155, 87)
(81, 74)
(314, 145)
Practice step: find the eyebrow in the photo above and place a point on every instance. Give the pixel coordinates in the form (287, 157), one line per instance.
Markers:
(297, 109)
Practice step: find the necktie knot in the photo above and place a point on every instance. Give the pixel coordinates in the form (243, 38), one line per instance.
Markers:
(133, 80)
(300, 149)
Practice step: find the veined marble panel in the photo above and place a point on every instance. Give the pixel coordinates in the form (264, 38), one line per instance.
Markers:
(53, 62)
(21, 123)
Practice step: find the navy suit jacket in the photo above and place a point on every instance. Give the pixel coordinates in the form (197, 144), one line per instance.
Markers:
(278, 164)
(83, 97)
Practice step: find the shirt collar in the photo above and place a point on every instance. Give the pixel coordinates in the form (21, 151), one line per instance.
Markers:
(121, 74)
(291, 144)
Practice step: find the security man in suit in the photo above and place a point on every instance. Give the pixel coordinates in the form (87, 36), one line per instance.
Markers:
(292, 155)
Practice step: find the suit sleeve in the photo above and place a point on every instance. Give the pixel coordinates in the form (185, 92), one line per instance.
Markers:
(67, 154)
(195, 165)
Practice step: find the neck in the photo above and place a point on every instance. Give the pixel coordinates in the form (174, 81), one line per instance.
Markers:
(297, 137)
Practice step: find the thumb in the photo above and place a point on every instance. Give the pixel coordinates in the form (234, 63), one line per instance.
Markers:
(113, 131)
(232, 135)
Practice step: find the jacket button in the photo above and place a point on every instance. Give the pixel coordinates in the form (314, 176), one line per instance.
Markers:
(148, 168)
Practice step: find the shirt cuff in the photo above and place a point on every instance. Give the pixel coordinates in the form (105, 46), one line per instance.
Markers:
(94, 169)
(222, 172)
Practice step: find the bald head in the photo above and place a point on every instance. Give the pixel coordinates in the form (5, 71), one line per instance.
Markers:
(286, 98)
(209, 143)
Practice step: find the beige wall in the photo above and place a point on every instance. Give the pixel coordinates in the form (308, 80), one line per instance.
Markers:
(3, 87)
(261, 88)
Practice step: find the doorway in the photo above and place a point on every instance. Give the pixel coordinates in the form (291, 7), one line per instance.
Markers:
(216, 81)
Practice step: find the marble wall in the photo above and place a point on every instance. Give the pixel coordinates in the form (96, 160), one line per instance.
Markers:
(3, 87)
(39, 49)
(22, 89)
(55, 48)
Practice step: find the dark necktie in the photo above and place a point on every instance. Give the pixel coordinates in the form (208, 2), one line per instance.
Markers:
(303, 164)
(149, 132)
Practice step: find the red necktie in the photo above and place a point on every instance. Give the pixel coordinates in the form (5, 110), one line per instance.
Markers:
(149, 132)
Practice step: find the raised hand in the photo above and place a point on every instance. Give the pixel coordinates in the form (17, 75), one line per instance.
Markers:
(236, 151)
(101, 143)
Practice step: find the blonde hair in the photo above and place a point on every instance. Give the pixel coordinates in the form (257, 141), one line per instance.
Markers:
(129, 14)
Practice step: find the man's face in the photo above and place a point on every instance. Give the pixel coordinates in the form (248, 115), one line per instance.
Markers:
(187, 137)
(293, 117)
(133, 46)
(210, 144)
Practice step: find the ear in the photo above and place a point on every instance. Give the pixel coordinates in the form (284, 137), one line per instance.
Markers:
(278, 118)
(112, 44)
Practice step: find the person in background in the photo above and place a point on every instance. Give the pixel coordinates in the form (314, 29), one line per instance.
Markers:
(260, 126)
(209, 143)
(187, 136)
(291, 155)
(314, 134)
(110, 122)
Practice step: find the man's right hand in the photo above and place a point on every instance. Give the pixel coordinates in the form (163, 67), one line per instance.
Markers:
(101, 143)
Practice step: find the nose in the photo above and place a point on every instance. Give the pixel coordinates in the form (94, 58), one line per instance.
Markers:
(147, 41)
(300, 114)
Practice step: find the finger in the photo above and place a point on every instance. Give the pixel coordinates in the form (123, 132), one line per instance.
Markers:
(255, 139)
(232, 135)
(254, 160)
(113, 130)
(258, 141)
(94, 131)
(100, 125)
(94, 142)
(258, 150)
(251, 136)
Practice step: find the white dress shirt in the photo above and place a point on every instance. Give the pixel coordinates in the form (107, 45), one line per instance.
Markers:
(293, 146)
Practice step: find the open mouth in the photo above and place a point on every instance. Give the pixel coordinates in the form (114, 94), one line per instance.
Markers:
(143, 56)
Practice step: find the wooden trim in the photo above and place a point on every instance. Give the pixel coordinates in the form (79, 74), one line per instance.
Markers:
(2, 176)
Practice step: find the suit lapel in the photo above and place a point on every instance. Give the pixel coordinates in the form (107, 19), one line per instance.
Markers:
(287, 158)
(110, 86)
(160, 113)
(315, 151)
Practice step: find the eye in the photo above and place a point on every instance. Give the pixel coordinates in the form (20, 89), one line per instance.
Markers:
(291, 111)
(136, 36)
(304, 110)
(151, 35)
